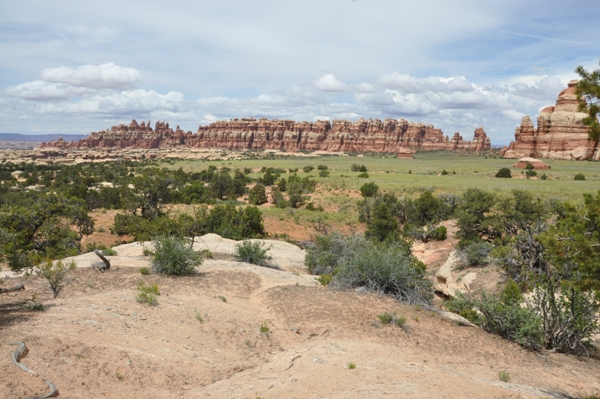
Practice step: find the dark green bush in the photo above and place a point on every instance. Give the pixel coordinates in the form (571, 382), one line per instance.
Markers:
(504, 172)
(322, 167)
(363, 175)
(308, 169)
(174, 256)
(253, 252)
(257, 195)
(368, 190)
(440, 233)
(323, 173)
(579, 176)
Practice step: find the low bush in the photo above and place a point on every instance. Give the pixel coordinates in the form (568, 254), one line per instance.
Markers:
(363, 175)
(147, 294)
(109, 252)
(504, 173)
(253, 252)
(174, 256)
(387, 268)
(579, 176)
(328, 250)
(368, 190)
(323, 173)
(322, 167)
(308, 169)
(475, 254)
(54, 273)
(440, 233)
(144, 271)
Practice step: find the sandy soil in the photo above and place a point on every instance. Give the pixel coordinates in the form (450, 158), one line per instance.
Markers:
(95, 340)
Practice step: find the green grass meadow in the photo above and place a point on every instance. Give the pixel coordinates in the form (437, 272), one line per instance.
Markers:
(410, 176)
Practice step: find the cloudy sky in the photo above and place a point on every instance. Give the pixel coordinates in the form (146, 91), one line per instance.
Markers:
(457, 64)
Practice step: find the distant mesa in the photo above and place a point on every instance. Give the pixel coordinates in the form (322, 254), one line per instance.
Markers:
(560, 132)
(389, 136)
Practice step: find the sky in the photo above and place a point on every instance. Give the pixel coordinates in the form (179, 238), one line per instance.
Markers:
(74, 67)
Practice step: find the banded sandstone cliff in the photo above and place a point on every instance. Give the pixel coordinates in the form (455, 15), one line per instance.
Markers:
(560, 132)
(388, 136)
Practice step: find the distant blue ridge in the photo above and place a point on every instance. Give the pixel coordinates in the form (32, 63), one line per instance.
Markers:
(40, 137)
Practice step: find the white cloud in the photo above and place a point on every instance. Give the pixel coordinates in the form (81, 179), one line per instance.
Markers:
(411, 84)
(365, 88)
(103, 76)
(512, 114)
(329, 82)
(39, 90)
(131, 102)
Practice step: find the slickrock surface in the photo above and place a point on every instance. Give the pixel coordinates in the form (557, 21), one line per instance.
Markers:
(388, 136)
(203, 340)
(560, 132)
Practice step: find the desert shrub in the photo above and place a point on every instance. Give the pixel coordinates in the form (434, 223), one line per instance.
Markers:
(322, 167)
(268, 179)
(504, 376)
(444, 172)
(257, 195)
(325, 279)
(502, 315)
(174, 256)
(328, 250)
(308, 169)
(385, 318)
(252, 252)
(475, 254)
(579, 176)
(387, 268)
(147, 294)
(440, 233)
(279, 199)
(530, 173)
(109, 252)
(568, 316)
(544, 176)
(144, 271)
(368, 190)
(358, 168)
(504, 173)
(323, 173)
(363, 175)
(54, 273)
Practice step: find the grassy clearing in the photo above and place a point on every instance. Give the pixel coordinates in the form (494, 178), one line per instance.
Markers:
(392, 174)
(338, 193)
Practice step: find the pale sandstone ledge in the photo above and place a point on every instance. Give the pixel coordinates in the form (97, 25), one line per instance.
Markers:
(560, 132)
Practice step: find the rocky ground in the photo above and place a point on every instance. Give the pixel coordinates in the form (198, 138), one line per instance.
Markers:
(203, 339)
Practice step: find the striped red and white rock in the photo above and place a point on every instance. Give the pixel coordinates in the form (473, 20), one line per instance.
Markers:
(560, 132)
(389, 136)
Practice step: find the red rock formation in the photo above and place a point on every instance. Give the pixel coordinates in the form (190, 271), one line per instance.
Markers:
(536, 163)
(560, 132)
(388, 136)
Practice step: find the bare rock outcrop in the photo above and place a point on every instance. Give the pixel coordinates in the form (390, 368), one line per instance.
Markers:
(560, 132)
(536, 163)
(388, 136)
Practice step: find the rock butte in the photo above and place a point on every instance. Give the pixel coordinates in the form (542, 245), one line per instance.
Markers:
(388, 136)
(560, 132)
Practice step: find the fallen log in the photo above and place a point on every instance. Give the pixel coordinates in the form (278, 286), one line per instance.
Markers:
(18, 287)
